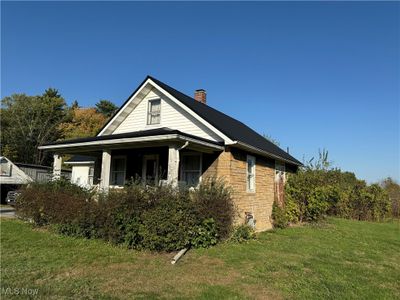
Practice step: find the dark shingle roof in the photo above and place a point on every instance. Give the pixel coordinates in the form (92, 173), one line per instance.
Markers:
(234, 129)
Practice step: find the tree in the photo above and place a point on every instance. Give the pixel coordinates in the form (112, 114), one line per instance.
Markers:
(83, 122)
(393, 190)
(28, 122)
(75, 104)
(323, 163)
(105, 107)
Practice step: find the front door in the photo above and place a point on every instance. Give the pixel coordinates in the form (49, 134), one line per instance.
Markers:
(150, 169)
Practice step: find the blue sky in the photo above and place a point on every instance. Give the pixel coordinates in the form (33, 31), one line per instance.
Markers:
(311, 74)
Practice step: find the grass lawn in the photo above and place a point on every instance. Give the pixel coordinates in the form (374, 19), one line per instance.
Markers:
(339, 260)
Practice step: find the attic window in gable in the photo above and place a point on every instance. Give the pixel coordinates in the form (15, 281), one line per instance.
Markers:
(154, 112)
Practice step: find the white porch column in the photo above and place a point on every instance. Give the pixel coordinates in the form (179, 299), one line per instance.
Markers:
(173, 165)
(57, 166)
(105, 170)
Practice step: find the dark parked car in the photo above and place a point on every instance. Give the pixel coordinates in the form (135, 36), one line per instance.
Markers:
(11, 197)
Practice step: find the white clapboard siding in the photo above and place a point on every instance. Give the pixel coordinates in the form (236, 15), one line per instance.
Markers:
(172, 116)
(11, 174)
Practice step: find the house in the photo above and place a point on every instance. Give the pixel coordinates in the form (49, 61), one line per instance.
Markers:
(162, 135)
(82, 170)
(40, 173)
(11, 174)
(15, 175)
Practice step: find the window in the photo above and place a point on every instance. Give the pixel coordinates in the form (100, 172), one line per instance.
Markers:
(118, 167)
(191, 168)
(5, 167)
(154, 112)
(91, 175)
(251, 173)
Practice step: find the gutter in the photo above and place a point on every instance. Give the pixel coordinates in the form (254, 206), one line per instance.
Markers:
(263, 152)
(79, 163)
(111, 142)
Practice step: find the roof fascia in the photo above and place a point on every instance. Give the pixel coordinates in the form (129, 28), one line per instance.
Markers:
(124, 106)
(111, 142)
(79, 163)
(263, 152)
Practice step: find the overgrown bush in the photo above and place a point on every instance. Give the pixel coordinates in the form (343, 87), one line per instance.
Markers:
(213, 200)
(291, 210)
(279, 216)
(392, 188)
(52, 202)
(316, 191)
(167, 225)
(155, 218)
(242, 233)
(204, 235)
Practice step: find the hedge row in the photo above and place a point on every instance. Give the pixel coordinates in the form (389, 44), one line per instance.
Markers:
(311, 194)
(155, 218)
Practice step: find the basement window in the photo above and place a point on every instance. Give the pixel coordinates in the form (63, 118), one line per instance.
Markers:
(154, 112)
(251, 174)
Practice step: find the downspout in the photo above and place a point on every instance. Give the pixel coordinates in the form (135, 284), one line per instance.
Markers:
(184, 146)
(184, 250)
(179, 150)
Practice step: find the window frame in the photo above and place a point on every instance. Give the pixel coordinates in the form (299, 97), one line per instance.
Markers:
(91, 175)
(149, 112)
(182, 171)
(113, 158)
(250, 189)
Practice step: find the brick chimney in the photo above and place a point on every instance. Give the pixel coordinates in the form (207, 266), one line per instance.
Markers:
(201, 96)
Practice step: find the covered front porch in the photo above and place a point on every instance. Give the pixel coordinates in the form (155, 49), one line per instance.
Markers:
(168, 158)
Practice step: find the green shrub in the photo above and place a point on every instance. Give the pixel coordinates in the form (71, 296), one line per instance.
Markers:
(319, 192)
(392, 188)
(204, 235)
(291, 210)
(52, 202)
(279, 217)
(317, 204)
(242, 233)
(155, 218)
(167, 225)
(213, 200)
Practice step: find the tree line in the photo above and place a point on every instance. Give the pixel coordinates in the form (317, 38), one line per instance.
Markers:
(28, 122)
